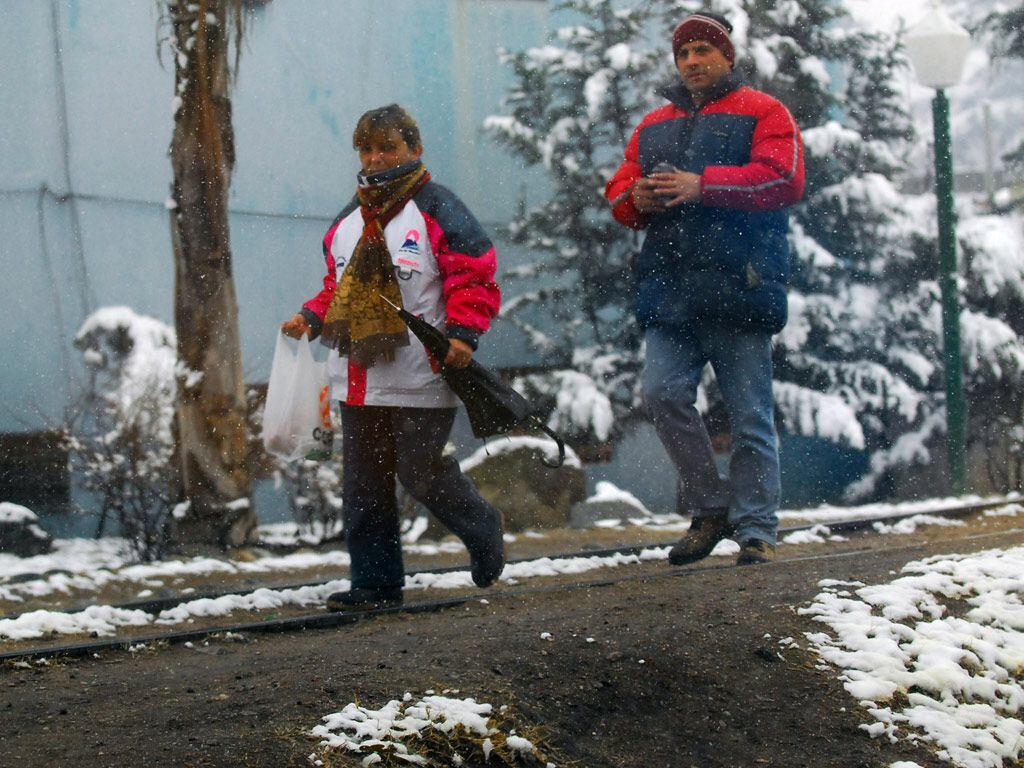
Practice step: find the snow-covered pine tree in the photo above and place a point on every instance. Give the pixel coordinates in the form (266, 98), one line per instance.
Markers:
(993, 290)
(573, 107)
(849, 364)
(881, 108)
(1005, 31)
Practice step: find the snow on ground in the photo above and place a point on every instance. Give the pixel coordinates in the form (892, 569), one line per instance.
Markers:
(937, 655)
(831, 514)
(104, 619)
(70, 556)
(401, 729)
(90, 565)
(295, 535)
(911, 524)
(609, 492)
(819, 534)
(317, 533)
(826, 514)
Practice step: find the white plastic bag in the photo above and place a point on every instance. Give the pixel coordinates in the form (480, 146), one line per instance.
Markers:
(297, 414)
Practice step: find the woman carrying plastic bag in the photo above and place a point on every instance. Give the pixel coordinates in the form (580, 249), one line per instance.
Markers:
(297, 414)
(405, 240)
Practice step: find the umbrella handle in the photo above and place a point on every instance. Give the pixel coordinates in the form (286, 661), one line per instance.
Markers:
(558, 440)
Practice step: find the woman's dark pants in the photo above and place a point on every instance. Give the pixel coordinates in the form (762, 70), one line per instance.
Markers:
(380, 443)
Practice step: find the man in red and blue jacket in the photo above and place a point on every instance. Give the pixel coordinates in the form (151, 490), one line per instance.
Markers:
(709, 176)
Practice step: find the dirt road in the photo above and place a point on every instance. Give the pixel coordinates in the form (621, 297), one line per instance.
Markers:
(679, 672)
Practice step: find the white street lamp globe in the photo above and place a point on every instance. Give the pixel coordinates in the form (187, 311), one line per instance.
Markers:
(938, 48)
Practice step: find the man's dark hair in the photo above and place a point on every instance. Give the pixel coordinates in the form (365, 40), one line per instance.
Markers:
(383, 120)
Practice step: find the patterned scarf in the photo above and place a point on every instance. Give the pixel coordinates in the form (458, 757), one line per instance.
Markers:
(359, 323)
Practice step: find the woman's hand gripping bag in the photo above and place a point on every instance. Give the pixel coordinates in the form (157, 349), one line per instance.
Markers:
(297, 414)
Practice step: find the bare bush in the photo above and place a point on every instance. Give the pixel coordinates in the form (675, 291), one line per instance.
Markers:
(120, 433)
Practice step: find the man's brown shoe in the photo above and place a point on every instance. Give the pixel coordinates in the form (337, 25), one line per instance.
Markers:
(705, 532)
(755, 552)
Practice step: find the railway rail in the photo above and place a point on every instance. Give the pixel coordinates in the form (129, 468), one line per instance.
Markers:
(322, 620)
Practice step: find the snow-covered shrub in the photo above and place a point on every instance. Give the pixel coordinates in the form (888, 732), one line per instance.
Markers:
(121, 434)
(314, 495)
(313, 488)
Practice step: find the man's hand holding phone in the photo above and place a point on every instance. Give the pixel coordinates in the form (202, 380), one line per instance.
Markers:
(645, 197)
(674, 186)
(665, 188)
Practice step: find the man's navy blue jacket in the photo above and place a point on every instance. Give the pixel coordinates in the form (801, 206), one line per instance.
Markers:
(726, 258)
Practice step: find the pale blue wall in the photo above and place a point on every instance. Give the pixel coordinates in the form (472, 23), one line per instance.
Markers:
(308, 69)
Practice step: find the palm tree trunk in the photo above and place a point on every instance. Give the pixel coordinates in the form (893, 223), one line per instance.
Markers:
(211, 401)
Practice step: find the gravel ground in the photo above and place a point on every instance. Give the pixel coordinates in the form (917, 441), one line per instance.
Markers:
(679, 673)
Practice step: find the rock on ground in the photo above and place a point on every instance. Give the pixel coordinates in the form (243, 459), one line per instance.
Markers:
(20, 533)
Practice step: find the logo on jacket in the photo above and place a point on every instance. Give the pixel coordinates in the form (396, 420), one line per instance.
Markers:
(407, 258)
(412, 242)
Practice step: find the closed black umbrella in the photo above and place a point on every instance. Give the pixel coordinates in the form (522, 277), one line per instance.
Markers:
(493, 407)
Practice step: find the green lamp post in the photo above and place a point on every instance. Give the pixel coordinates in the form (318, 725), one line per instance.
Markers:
(938, 49)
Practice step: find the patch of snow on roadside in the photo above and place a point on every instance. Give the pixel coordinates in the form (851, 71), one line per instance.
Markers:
(433, 549)
(294, 535)
(259, 600)
(835, 514)
(910, 524)
(924, 672)
(416, 528)
(399, 728)
(102, 620)
(77, 572)
(70, 556)
(1010, 510)
(818, 534)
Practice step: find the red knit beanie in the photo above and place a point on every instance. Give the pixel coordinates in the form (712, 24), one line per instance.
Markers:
(711, 28)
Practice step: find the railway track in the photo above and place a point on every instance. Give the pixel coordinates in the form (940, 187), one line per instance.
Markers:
(323, 620)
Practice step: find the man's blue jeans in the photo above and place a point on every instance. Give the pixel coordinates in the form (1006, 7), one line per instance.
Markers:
(742, 363)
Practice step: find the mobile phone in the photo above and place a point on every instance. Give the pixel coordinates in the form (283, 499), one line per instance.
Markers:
(664, 167)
